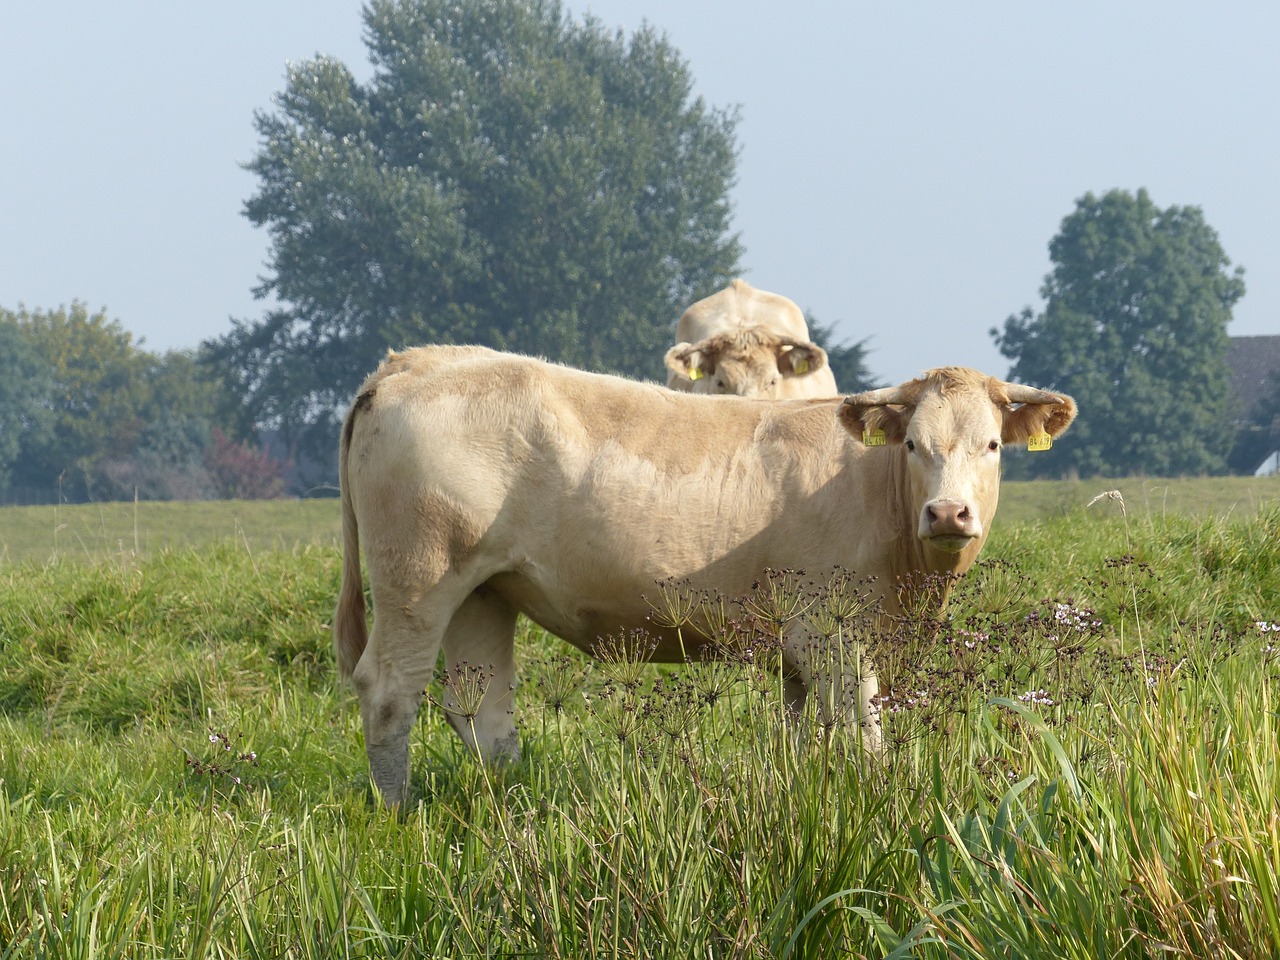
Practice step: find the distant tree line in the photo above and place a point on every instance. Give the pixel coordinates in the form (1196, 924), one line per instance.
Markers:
(513, 177)
(1134, 327)
(86, 414)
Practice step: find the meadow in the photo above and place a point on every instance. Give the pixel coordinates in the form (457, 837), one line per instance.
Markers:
(1081, 755)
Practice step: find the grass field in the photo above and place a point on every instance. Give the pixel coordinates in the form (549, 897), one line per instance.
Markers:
(1081, 759)
(99, 531)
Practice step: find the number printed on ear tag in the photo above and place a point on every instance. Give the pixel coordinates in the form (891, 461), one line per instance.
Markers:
(873, 438)
(1039, 443)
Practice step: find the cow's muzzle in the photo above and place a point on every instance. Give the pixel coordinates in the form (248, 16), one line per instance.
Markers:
(949, 525)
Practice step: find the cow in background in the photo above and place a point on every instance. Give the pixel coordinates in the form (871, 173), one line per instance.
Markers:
(748, 342)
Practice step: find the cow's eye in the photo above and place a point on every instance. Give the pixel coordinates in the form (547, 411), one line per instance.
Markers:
(911, 446)
(994, 446)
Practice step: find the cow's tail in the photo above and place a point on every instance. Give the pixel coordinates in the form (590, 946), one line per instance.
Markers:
(350, 631)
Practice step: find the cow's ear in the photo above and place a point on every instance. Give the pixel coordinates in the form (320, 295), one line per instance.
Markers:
(1044, 413)
(880, 416)
(688, 361)
(874, 424)
(797, 359)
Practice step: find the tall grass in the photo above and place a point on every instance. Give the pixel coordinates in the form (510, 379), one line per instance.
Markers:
(1079, 762)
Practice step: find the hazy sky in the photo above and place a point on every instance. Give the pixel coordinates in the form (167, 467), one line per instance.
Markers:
(903, 165)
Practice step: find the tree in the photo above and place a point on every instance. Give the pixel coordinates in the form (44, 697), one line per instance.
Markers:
(177, 412)
(241, 471)
(25, 395)
(92, 411)
(507, 177)
(85, 413)
(848, 361)
(166, 464)
(1135, 328)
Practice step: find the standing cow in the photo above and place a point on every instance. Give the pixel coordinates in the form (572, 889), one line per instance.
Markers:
(486, 485)
(749, 342)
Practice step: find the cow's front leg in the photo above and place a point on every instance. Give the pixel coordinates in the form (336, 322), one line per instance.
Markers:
(838, 675)
(869, 709)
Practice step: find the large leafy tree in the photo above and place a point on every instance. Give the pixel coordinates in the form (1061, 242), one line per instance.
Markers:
(508, 176)
(1135, 328)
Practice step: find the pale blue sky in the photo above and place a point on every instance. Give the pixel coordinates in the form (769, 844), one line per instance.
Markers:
(903, 165)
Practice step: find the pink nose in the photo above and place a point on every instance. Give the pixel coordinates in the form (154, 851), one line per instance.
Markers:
(950, 518)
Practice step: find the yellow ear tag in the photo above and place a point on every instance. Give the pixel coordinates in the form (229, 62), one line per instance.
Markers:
(1039, 442)
(873, 438)
(695, 373)
(801, 365)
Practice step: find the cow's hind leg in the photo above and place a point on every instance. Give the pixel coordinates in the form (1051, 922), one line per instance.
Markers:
(480, 675)
(391, 679)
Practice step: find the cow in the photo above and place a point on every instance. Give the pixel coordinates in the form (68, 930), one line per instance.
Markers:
(749, 342)
(484, 485)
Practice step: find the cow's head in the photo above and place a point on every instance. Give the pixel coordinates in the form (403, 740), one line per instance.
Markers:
(953, 423)
(751, 362)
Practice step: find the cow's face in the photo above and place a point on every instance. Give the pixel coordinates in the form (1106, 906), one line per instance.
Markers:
(744, 363)
(952, 424)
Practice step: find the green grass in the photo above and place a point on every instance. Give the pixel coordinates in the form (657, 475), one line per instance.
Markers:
(180, 774)
(1022, 501)
(99, 531)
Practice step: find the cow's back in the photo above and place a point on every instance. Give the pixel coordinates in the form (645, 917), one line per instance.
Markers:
(741, 306)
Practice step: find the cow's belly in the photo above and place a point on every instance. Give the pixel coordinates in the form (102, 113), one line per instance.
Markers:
(584, 620)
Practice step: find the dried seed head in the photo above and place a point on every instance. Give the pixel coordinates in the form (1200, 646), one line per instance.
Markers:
(465, 685)
(562, 678)
(676, 601)
(624, 656)
(779, 599)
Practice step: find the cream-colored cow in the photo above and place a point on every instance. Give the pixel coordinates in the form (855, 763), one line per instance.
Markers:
(750, 342)
(485, 484)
